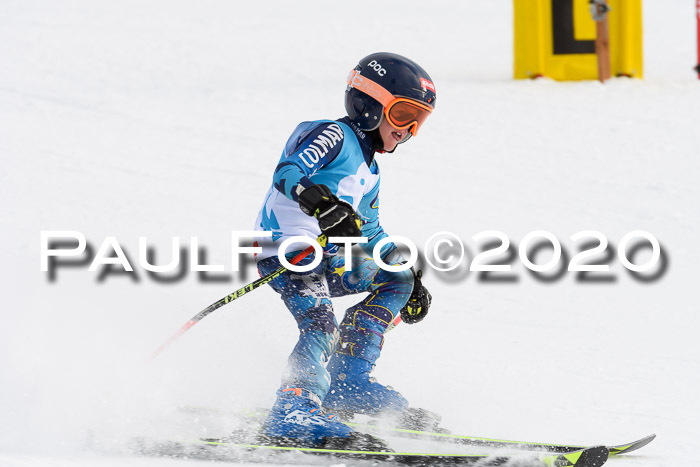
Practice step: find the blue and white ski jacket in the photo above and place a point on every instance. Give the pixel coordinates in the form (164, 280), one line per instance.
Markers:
(331, 153)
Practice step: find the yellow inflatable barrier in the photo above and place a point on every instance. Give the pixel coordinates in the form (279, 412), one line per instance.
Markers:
(556, 39)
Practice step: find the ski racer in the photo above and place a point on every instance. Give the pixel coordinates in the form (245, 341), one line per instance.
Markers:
(327, 182)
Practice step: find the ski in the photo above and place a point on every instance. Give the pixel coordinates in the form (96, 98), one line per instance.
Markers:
(501, 443)
(233, 451)
(258, 415)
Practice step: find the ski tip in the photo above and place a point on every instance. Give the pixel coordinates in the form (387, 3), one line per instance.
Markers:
(625, 448)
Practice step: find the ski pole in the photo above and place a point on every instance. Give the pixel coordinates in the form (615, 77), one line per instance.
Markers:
(237, 294)
(393, 324)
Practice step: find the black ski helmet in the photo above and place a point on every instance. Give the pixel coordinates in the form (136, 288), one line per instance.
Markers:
(399, 75)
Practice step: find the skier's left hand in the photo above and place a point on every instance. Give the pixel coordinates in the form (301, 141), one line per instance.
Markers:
(418, 303)
(336, 218)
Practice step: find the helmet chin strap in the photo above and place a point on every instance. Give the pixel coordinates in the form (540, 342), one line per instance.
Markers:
(377, 143)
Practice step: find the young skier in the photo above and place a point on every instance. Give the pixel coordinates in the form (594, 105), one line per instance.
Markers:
(327, 182)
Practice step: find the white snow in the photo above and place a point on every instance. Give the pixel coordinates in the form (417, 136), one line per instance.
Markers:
(166, 118)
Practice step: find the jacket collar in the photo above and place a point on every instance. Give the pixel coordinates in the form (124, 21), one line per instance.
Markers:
(367, 139)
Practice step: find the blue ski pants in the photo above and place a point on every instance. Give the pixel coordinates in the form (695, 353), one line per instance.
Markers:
(361, 333)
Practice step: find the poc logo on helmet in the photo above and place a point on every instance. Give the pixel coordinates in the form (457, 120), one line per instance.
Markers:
(377, 67)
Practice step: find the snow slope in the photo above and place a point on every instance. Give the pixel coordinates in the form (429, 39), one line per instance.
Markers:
(165, 119)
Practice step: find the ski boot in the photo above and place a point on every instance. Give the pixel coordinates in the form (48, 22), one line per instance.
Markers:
(296, 419)
(353, 391)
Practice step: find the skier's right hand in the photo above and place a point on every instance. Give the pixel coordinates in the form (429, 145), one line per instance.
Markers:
(336, 218)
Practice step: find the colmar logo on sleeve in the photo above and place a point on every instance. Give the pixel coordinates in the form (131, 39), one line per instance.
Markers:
(321, 145)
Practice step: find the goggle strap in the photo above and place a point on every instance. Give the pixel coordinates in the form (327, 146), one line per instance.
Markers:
(369, 87)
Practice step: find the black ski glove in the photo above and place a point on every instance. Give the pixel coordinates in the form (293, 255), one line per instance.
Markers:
(336, 218)
(418, 303)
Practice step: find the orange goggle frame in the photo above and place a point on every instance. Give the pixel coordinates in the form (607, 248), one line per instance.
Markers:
(400, 112)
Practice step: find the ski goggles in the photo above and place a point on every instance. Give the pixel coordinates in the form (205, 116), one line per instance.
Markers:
(400, 112)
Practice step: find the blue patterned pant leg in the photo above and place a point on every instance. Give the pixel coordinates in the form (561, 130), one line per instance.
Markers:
(307, 297)
(362, 329)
